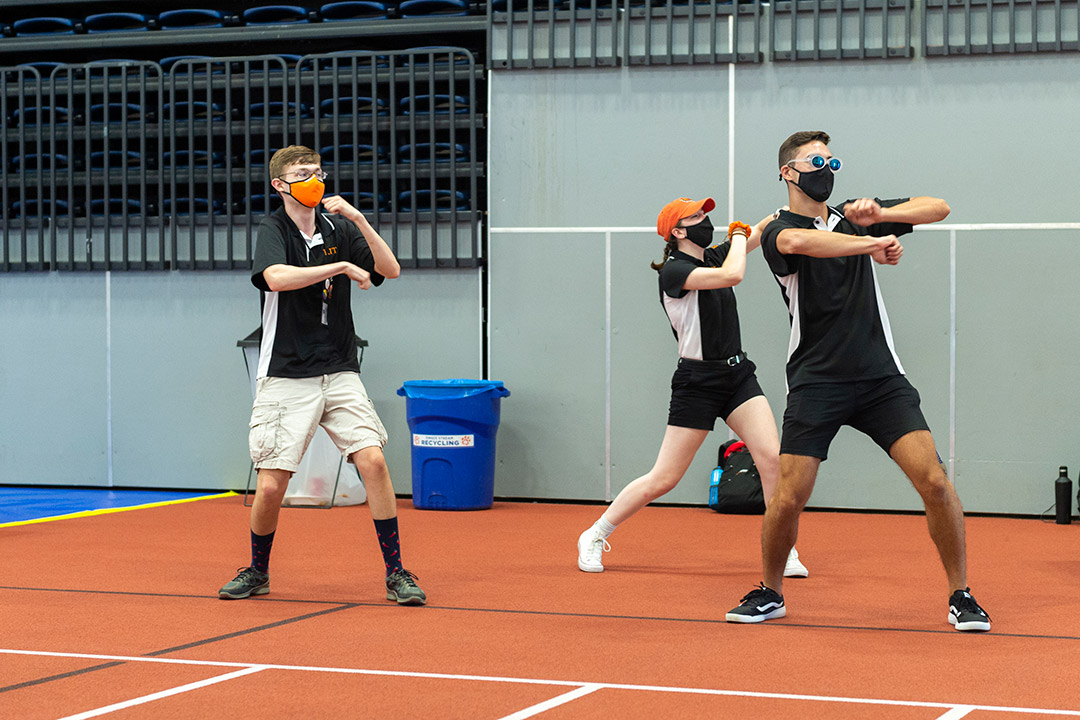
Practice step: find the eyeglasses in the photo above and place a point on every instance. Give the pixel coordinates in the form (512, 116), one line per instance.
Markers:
(304, 174)
(819, 161)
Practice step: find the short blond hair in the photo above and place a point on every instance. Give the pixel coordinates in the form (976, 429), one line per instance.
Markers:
(292, 155)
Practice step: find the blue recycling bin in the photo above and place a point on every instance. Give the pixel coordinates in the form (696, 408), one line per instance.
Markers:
(453, 425)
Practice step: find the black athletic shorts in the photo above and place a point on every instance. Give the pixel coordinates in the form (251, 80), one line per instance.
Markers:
(703, 390)
(885, 409)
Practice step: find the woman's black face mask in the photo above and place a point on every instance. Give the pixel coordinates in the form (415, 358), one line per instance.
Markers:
(700, 234)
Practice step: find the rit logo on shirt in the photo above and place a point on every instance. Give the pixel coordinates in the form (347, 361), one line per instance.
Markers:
(330, 250)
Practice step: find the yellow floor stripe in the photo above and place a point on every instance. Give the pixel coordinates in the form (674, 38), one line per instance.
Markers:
(106, 511)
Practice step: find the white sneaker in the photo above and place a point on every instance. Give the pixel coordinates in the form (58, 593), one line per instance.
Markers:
(795, 568)
(590, 550)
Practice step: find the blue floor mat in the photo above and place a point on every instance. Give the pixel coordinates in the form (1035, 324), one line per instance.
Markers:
(22, 504)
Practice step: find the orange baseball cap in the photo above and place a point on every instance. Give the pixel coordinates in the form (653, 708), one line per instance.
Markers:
(676, 210)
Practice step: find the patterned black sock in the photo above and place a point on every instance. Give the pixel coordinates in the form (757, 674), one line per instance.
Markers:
(388, 543)
(260, 551)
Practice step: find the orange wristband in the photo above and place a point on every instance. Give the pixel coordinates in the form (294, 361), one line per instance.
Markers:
(737, 226)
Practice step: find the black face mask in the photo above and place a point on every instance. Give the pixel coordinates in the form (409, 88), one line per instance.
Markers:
(700, 234)
(817, 184)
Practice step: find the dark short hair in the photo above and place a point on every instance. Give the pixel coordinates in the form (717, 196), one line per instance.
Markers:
(292, 155)
(796, 141)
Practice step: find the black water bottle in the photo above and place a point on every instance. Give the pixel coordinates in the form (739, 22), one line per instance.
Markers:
(1063, 496)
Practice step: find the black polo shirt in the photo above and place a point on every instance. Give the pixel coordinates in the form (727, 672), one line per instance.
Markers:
(705, 322)
(309, 331)
(839, 328)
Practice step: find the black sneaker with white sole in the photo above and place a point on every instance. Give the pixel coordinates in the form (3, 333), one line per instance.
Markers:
(758, 605)
(965, 614)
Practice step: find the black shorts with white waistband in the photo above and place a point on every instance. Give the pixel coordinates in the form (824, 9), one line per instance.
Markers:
(703, 390)
(886, 409)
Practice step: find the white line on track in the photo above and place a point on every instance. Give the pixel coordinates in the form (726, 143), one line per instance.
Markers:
(957, 712)
(163, 694)
(537, 681)
(553, 702)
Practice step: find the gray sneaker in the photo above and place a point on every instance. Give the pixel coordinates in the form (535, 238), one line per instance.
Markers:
(401, 587)
(249, 582)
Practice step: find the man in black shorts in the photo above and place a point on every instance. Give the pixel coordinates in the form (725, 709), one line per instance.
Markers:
(842, 367)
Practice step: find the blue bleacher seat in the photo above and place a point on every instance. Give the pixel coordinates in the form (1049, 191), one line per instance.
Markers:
(258, 156)
(277, 109)
(327, 61)
(192, 18)
(257, 203)
(444, 200)
(31, 115)
(425, 8)
(35, 208)
(258, 66)
(275, 15)
(361, 105)
(115, 158)
(116, 206)
(443, 152)
(441, 104)
(44, 26)
(44, 67)
(196, 110)
(39, 161)
(365, 202)
(185, 64)
(355, 10)
(199, 158)
(183, 206)
(350, 154)
(441, 54)
(115, 111)
(116, 22)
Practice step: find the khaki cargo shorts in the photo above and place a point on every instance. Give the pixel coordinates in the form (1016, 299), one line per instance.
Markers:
(288, 411)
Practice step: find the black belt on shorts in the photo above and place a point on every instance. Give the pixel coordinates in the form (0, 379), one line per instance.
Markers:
(730, 362)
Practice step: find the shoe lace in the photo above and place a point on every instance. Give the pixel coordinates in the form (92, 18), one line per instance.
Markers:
(965, 603)
(406, 577)
(245, 572)
(757, 593)
(596, 548)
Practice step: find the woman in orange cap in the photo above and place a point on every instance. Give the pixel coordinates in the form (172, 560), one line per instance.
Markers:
(714, 377)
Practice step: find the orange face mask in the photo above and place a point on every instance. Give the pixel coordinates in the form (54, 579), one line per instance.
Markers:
(307, 192)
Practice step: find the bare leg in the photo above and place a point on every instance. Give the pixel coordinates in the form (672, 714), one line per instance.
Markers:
(270, 487)
(371, 464)
(676, 453)
(917, 457)
(754, 423)
(781, 526)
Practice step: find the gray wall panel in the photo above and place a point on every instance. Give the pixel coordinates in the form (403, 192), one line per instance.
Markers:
(643, 357)
(593, 148)
(547, 346)
(424, 325)
(52, 380)
(1018, 403)
(181, 399)
(903, 128)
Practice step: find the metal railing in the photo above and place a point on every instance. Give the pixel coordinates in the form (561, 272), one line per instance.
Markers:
(972, 27)
(840, 29)
(553, 33)
(122, 166)
(669, 32)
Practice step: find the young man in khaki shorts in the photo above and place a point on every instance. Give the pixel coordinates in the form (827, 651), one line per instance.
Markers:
(308, 374)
